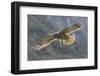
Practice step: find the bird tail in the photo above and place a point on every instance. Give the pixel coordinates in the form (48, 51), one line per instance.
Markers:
(71, 39)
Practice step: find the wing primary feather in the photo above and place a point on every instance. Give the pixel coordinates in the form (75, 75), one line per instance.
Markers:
(44, 42)
(37, 47)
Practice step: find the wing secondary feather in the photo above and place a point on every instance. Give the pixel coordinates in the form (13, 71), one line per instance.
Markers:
(71, 28)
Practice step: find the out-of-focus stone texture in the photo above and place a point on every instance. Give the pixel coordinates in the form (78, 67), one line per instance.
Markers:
(40, 25)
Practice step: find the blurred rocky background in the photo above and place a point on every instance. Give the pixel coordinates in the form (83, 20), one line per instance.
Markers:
(41, 25)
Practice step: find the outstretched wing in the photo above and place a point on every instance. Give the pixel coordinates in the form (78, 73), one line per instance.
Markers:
(44, 42)
(71, 28)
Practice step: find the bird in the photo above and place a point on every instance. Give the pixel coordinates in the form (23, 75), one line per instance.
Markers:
(65, 37)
